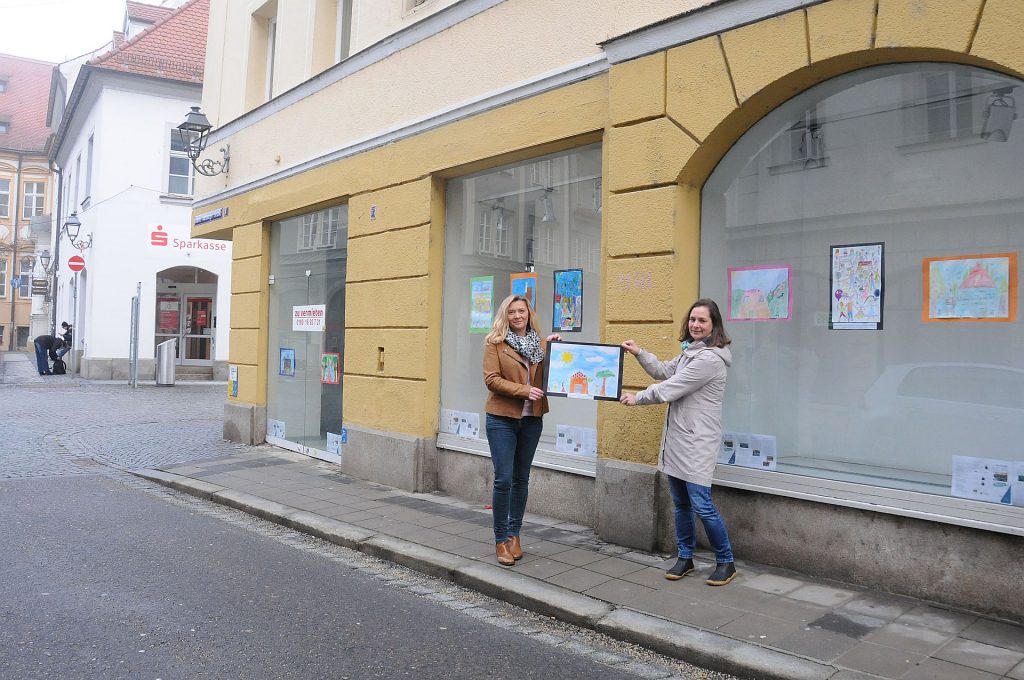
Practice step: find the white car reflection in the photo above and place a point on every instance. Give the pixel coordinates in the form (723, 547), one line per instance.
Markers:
(919, 415)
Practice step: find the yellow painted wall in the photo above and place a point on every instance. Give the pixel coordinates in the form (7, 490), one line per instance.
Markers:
(660, 146)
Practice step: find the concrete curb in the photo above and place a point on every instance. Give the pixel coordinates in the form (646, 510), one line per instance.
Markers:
(187, 485)
(426, 560)
(529, 593)
(709, 649)
(330, 530)
(700, 647)
(255, 505)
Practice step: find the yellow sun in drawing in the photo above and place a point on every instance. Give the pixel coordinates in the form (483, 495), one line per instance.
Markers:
(566, 357)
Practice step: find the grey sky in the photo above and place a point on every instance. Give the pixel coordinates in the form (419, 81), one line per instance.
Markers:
(57, 30)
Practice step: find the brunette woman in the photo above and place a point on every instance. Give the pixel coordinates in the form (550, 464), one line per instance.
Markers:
(693, 385)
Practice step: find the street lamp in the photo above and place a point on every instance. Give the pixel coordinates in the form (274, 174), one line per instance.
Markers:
(72, 227)
(195, 133)
(44, 259)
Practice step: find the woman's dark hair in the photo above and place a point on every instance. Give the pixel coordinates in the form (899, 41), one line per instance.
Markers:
(718, 338)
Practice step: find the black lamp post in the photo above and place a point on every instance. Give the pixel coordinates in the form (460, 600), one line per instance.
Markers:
(195, 133)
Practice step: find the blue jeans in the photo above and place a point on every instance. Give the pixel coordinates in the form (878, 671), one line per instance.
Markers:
(692, 499)
(62, 351)
(42, 362)
(513, 442)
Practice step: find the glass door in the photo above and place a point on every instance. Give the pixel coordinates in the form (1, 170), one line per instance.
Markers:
(306, 333)
(197, 331)
(168, 321)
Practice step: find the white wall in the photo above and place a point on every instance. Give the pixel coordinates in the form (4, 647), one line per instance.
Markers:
(128, 202)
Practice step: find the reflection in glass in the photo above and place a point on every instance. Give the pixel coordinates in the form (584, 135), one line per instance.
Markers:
(901, 155)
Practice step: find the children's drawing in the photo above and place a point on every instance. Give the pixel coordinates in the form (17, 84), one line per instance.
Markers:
(584, 370)
(858, 287)
(525, 285)
(286, 363)
(330, 368)
(481, 303)
(567, 312)
(970, 288)
(760, 293)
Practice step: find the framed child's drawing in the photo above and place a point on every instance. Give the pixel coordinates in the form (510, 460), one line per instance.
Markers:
(583, 370)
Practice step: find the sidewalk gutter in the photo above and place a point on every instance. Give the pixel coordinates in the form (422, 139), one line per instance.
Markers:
(694, 645)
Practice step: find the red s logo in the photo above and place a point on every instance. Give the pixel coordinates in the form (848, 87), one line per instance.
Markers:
(158, 237)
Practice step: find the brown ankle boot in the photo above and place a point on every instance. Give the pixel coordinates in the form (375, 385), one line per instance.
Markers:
(515, 547)
(504, 554)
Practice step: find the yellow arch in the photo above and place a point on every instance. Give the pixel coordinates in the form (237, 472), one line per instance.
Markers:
(673, 116)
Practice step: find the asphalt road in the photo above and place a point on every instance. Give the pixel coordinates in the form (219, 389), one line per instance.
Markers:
(102, 580)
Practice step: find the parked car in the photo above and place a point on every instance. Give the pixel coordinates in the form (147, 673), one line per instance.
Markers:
(920, 415)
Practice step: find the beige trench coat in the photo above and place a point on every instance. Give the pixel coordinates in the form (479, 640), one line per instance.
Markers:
(693, 386)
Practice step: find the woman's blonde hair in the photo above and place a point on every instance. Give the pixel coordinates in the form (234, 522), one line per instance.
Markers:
(499, 329)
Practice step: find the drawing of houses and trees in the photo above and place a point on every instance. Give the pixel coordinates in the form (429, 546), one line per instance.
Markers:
(584, 371)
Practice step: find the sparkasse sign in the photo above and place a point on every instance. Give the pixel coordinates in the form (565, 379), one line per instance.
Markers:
(161, 239)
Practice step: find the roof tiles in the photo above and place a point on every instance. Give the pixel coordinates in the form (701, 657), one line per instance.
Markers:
(24, 101)
(173, 48)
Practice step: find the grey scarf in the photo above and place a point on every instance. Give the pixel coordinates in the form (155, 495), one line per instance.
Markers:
(527, 345)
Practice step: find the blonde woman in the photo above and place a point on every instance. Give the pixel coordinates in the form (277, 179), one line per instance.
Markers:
(513, 373)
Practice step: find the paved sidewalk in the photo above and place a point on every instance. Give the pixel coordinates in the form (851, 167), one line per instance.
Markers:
(769, 623)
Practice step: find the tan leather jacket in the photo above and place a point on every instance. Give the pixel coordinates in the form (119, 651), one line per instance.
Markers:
(505, 377)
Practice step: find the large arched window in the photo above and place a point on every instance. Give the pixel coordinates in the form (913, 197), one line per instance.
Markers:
(907, 377)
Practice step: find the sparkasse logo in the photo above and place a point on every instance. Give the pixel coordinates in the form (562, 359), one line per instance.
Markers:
(158, 237)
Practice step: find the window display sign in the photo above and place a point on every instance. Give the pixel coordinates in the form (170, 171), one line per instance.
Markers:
(481, 294)
(525, 285)
(168, 315)
(760, 293)
(567, 310)
(578, 441)
(857, 286)
(308, 317)
(983, 479)
(970, 288)
(583, 370)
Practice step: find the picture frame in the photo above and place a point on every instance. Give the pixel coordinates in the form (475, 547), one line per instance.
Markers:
(583, 370)
(286, 362)
(330, 368)
(760, 293)
(857, 286)
(525, 285)
(969, 288)
(567, 301)
(481, 304)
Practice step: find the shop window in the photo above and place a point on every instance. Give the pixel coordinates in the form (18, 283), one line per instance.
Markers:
(306, 334)
(518, 219)
(890, 404)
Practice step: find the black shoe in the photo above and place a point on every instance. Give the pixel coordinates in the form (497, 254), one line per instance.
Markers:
(680, 569)
(722, 575)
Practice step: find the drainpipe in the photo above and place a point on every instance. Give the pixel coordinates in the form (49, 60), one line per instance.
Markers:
(14, 247)
(58, 225)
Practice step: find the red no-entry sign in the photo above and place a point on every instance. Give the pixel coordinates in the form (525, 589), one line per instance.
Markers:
(76, 263)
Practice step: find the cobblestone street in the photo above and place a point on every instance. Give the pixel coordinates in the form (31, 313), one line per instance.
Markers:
(54, 425)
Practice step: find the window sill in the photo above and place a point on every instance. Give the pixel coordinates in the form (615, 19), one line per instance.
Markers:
(545, 458)
(798, 165)
(957, 143)
(85, 204)
(175, 199)
(930, 507)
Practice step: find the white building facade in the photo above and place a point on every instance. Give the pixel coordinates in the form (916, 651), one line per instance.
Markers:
(126, 179)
